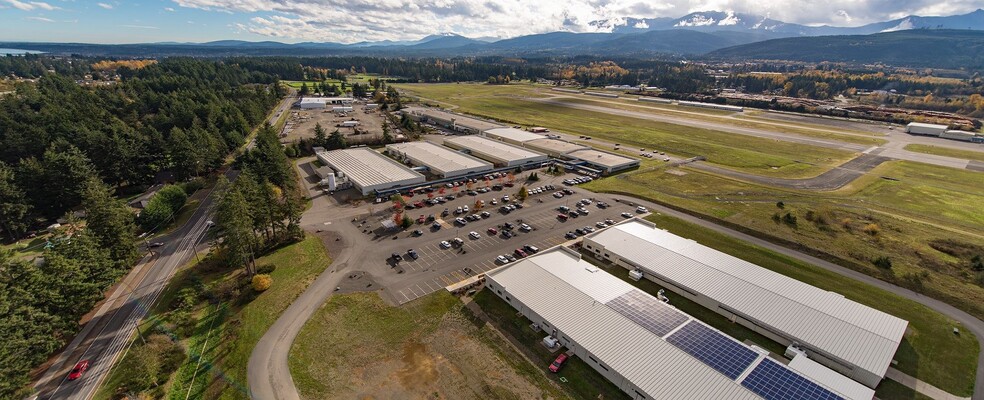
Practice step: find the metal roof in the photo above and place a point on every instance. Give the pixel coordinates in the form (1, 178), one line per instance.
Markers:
(463, 120)
(930, 126)
(609, 160)
(554, 145)
(815, 318)
(488, 148)
(324, 100)
(573, 295)
(368, 168)
(440, 159)
(516, 135)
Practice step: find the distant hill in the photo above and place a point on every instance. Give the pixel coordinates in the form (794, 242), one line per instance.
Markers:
(915, 48)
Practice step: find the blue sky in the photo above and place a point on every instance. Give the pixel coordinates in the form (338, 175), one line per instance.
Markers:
(347, 21)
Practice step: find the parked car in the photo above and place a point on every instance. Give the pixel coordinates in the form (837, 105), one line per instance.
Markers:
(485, 214)
(458, 241)
(531, 249)
(412, 254)
(501, 260)
(563, 209)
(507, 234)
(520, 253)
(562, 217)
(642, 209)
(460, 221)
(445, 244)
(525, 227)
(418, 232)
(493, 231)
(626, 215)
(396, 257)
(573, 214)
(571, 235)
(558, 362)
(474, 235)
(436, 226)
(601, 224)
(78, 370)
(510, 257)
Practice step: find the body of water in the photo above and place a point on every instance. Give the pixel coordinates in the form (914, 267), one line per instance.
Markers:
(18, 52)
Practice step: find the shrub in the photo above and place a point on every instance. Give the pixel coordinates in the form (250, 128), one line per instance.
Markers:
(871, 229)
(789, 219)
(847, 224)
(262, 282)
(266, 269)
(776, 218)
(882, 262)
(193, 186)
(780, 204)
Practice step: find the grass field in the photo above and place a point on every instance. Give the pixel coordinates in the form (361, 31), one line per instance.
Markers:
(745, 153)
(358, 347)
(948, 152)
(731, 118)
(930, 350)
(231, 327)
(349, 79)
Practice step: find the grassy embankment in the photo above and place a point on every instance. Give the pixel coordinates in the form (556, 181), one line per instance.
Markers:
(216, 317)
(948, 152)
(744, 153)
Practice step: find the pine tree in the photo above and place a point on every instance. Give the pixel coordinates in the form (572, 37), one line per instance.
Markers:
(235, 223)
(320, 136)
(110, 221)
(336, 141)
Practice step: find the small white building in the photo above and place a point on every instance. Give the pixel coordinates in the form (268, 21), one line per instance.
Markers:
(919, 128)
(440, 160)
(342, 109)
(604, 161)
(349, 124)
(368, 170)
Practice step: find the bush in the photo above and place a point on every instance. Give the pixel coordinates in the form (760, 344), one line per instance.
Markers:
(871, 229)
(780, 204)
(262, 282)
(193, 186)
(882, 262)
(789, 219)
(149, 365)
(266, 269)
(847, 224)
(162, 207)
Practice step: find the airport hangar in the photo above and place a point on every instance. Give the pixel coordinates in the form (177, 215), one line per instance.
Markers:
(440, 160)
(603, 161)
(646, 347)
(454, 122)
(320, 103)
(852, 339)
(368, 170)
(500, 154)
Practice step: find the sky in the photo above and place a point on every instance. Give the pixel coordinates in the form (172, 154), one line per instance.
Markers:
(349, 21)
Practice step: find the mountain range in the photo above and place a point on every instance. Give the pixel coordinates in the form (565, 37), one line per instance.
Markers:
(716, 34)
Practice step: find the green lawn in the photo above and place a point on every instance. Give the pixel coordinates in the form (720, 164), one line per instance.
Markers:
(357, 346)
(745, 153)
(948, 152)
(930, 350)
(232, 325)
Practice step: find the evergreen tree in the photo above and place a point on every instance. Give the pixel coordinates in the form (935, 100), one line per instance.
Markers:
(110, 221)
(304, 89)
(387, 136)
(336, 141)
(13, 204)
(320, 136)
(235, 224)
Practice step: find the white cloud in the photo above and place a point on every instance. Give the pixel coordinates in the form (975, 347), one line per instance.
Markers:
(357, 20)
(140, 26)
(106, 6)
(30, 5)
(168, 9)
(40, 19)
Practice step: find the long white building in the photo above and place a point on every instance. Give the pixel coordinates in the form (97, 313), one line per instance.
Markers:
(309, 103)
(368, 170)
(647, 348)
(440, 160)
(848, 337)
(499, 153)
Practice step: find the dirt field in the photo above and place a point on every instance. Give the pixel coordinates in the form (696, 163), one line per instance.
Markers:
(301, 124)
(357, 347)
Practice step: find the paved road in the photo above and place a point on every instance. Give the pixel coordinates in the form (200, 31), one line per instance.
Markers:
(832, 179)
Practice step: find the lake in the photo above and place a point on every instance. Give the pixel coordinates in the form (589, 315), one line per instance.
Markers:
(18, 52)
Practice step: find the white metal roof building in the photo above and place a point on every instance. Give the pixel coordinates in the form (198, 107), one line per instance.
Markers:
(603, 160)
(553, 147)
(848, 337)
(322, 102)
(919, 128)
(511, 135)
(440, 160)
(368, 170)
(455, 122)
(644, 346)
(499, 153)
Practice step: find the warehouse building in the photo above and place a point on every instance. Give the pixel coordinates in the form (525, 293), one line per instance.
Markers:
(320, 103)
(511, 135)
(603, 161)
(498, 153)
(369, 171)
(850, 338)
(646, 347)
(455, 122)
(441, 161)
(553, 147)
(919, 128)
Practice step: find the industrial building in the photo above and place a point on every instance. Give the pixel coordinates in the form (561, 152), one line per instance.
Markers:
(454, 122)
(713, 106)
(309, 103)
(603, 161)
(919, 128)
(500, 154)
(441, 161)
(655, 100)
(853, 339)
(643, 345)
(511, 135)
(367, 170)
(553, 147)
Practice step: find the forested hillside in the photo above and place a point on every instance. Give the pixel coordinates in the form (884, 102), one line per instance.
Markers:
(67, 147)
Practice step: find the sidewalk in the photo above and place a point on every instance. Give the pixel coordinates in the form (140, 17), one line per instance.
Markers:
(920, 386)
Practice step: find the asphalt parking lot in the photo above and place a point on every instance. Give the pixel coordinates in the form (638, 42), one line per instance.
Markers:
(437, 267)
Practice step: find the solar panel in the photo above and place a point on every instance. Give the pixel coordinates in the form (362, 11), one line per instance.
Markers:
(774, 382)
(648, 312)
(714, 349)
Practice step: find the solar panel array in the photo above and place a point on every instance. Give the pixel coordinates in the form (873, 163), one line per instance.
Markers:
(774, 382)
(648, 312)
(720, 352)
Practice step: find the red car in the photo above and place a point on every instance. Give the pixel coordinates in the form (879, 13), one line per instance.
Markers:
(562, 217)
(493, 231)
(520, 253)
(78, 370)
(419, 204)
(559, 362)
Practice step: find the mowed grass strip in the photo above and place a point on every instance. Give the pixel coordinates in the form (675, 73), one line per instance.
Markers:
(930, 351)
(948, 152)
(745, 153)
(357, 346)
